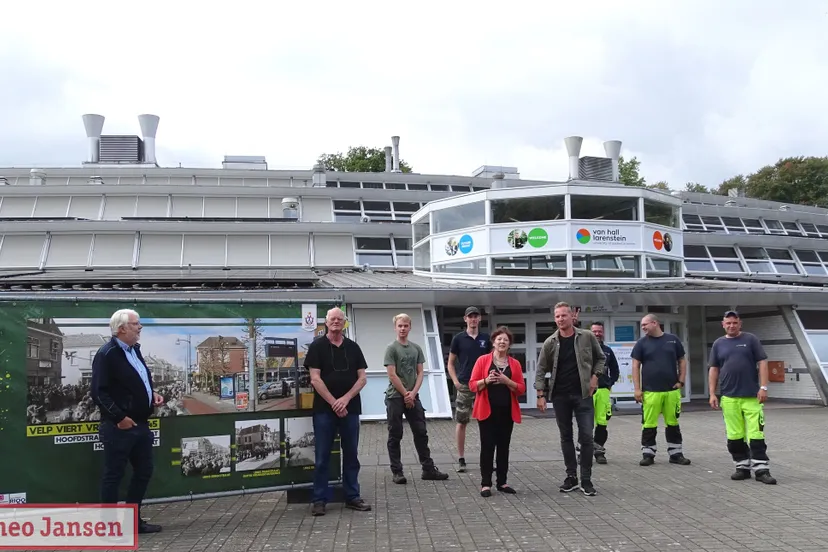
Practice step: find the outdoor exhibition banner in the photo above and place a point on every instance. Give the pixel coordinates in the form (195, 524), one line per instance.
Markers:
(215, 431)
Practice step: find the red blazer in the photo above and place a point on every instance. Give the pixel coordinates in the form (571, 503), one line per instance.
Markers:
(482, 409)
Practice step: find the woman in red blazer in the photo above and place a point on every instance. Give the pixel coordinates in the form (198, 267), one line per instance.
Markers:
(497, 378)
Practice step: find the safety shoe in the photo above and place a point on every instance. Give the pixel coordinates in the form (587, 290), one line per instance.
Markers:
(587, 488)
(764, 476)
(461, 465)
(679, 459)
(399, 479)
(647, 461)
(600, 458)
(434, 475)
(740, 475)
(570, 484)
(318, 509)
(359, 505)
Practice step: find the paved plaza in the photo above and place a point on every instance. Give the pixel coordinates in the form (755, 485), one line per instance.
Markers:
(659, 508)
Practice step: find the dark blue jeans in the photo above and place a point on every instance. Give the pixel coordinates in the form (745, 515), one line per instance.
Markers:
(121, 446)
(325, 427)
(574, 406)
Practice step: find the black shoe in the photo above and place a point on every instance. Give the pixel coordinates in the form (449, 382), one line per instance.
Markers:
(399, 479)
(318, 509)
(358, 504)
(485, 493)
(740, 475)
(587, 488)
(600, 459)
(570, 484)
(434, 475)
(461, 465)
(506, 489)
(764, 476)
(679, 459)
(145, 528)
(647, 461)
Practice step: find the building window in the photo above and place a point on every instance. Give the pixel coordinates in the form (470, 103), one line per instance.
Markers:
(548, 266)
(459, 216)
(375, 211)
(528, 209)
(33, 347)
(660, 267)
(382, 252)
(596, 207)
(471, 266)
(54, 351)
(757, 260)
(661, 213)
(692, 223)
(422, 257)
(606, 266)
(734, 225)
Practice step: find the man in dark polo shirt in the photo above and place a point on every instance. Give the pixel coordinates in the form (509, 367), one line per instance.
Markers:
(466, 347)
(659, 367)
(337, 372)
(734, 359)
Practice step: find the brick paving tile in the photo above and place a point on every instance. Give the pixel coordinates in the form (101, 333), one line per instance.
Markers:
(659, 508)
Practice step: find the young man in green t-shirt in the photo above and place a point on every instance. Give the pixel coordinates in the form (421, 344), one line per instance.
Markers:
(404, 361)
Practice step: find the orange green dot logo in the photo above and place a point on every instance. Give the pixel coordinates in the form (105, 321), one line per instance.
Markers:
(583, 236)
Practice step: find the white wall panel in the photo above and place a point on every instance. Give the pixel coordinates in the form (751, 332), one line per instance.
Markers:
(21, 251)
(317, 209)
(289, 250)
(224, 207)
(181, 181)
(88, 207)
(160, 250)
(275, 207)
(229, 181)
(333, 251)
(127, 181)
(113, 250)
(67, 250)
(51, 206)
(17, 206)
(206, 181)
(187, 206)
(119, 206)
(250, 250)
(251, 207)
(258, 182)
(204, 250)
(152, 206)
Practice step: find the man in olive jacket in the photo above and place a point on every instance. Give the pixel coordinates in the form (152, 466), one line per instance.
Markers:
(574, 359)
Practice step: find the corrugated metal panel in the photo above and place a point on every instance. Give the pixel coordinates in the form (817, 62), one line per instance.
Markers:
(595, 168)
(121, 149)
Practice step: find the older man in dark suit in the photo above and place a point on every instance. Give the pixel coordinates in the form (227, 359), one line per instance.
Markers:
(122, 389)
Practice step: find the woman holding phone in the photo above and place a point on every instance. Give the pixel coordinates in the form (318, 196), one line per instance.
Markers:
(497, 379)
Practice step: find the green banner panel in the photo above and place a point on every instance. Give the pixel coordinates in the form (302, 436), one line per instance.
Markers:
(215, 432)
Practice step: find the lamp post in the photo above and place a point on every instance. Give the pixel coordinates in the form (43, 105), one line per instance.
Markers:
(187, 359)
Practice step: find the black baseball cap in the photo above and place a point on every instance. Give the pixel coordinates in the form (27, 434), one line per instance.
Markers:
(471, 310)
(731, 313)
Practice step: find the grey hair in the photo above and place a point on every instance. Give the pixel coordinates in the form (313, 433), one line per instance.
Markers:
(120, 319)
(651, 318)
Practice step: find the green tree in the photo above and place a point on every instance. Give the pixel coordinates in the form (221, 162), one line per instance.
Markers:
(660, 185)
(738, 182)
(799, 180)
(359, 159)
(628, 172)
(696, 188)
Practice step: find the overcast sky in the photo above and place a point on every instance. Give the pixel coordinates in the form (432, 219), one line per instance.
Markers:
(698, 90)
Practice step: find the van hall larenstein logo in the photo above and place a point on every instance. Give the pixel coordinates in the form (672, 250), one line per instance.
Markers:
(583, 235)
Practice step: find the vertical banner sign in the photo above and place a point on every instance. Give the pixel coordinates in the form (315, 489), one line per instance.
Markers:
(624, 387)
(235, 412)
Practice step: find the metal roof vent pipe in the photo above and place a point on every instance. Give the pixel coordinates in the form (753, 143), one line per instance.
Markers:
(498, 181)
(149, 128)
(573, 150)
(389, 159)
(94, 127)
(37, 177)
(395, 143)
(613, 150)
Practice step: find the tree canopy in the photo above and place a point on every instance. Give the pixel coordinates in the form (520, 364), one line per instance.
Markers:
(359, 159)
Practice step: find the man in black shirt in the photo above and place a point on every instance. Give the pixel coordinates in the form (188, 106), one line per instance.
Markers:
(337, 371)
(658, 369)
(574, 360)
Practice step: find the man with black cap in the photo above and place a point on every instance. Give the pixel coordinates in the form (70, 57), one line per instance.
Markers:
(739, 366)
(466, 347)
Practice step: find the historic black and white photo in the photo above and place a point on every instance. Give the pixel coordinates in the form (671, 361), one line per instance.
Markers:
(258, 444)
(300, 444)
(205, 455)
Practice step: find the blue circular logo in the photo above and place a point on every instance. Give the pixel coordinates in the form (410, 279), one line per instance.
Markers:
(466, 244)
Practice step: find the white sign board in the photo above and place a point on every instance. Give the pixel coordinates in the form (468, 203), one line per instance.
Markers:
(604, 237)
(456, 247)
(624, 386)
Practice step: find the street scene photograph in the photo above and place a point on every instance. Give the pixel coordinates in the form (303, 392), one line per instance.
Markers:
(300, 444)
(205, 455)
(258, 444)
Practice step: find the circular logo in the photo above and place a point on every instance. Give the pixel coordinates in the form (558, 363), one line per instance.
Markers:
(538, 237)
(466, 244)
(583, 235)
(451, 247)
(668, 242)
(517, 239)
(658, 240)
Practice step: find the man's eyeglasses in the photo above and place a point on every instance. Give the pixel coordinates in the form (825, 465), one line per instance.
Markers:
(336, 365)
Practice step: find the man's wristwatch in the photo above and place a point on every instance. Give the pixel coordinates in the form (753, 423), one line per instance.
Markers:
(764, 388)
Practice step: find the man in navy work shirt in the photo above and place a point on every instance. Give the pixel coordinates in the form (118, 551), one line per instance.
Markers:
(659, 367)
(733, 368)
(466, 347)
(122, 389)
